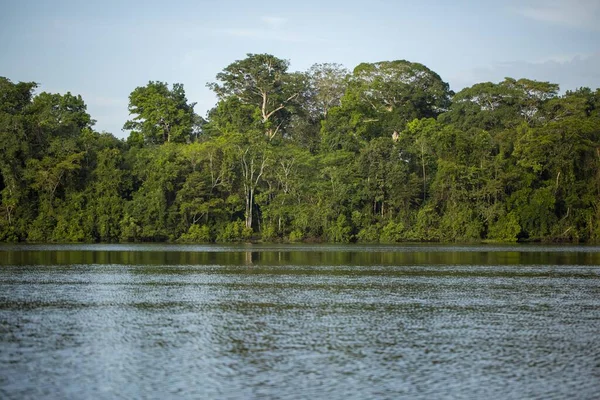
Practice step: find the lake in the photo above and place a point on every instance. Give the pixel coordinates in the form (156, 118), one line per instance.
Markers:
(299, 321)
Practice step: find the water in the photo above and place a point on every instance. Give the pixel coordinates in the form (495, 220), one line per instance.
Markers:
(292, 322)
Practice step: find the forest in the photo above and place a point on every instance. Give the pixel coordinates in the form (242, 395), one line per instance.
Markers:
(384, 153)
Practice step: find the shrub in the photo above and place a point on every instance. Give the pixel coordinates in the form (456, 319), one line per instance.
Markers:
(505, 229)
(296, 235)
(392, 232)
(234, 232)
(196, 234)
(369, 233)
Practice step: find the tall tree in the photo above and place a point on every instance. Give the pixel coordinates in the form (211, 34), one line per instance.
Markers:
(15, 98)
(161, 114)
(381, 99)
(402, 89)
(261, 80)
(327, 84)
(497, 106)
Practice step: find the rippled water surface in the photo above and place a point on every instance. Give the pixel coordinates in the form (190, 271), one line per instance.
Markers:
(335, 322)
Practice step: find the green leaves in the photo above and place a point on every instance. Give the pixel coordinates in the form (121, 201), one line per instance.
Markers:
(252, 78)
(381, 154)
(161, 114)
(48, 174)
(507, 104)
(261, 81)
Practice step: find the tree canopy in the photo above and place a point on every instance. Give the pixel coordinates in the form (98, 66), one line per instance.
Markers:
(161, 114)
(386, 153)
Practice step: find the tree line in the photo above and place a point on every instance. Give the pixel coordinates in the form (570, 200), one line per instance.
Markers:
(385, 153)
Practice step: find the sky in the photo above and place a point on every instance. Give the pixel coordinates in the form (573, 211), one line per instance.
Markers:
(103, 50)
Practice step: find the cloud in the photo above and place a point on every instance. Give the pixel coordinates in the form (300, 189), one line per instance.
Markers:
(270, 28)
(264, 34)
(569, 72)
(274, 22)
(583, 14)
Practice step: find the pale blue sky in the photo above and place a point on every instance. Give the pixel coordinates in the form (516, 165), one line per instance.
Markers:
(104, 50)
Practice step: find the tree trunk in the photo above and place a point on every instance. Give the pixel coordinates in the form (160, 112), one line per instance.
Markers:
(249, 203)
(424, 176)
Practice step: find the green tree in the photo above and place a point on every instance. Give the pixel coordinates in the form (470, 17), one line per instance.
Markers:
(396, 92)
(262, 80)
(161, 114)
(507, 104)
(327, 84)
(151, 215)
(15, 98)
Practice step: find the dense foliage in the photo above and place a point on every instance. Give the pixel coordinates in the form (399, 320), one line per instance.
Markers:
(386, 153)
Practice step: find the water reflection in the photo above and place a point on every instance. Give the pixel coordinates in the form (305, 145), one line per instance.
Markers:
(296, 255)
